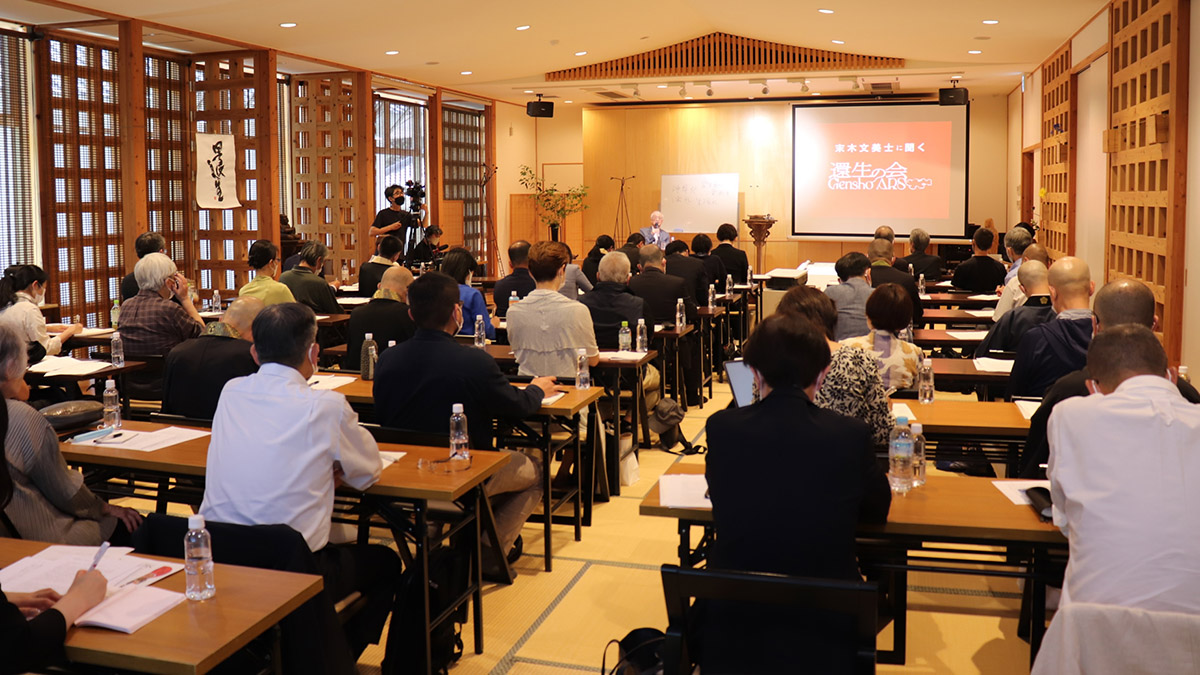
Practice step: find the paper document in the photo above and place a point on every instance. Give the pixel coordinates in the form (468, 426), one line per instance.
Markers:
(55, 567)
(146, 441)
(390, 457)
(684, 491)
(329, 381)
(984, 296)
(925, 296)
(989, 365)
(322, 316)
(502, 325)
(211, 315)
(658, 327)
(549, 400)
(1027, 408)
(981, 313)
(626, 355)
(902, 410)
(1015, 489)
(131, 608)
(350, 288)
(351, 302)
(88, 332)
(967, 334)
(66, 365)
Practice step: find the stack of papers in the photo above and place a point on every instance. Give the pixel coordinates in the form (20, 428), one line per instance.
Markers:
(1015, 489)
(211, 315)
(981, 313)
(390, 457)
(1028, 408)
(351, 302)
(66, 365)
(146, 441)
(902, 410)
(984, 296)
(88, 332)
(329, 381)
(988, 365)
(622, 356)
(350, 288)
(967, 334)
(551, 398)
(684, 491)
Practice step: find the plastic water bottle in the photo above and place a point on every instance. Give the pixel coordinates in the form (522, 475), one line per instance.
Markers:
(112, 405)
(921, 284)
(1183, 374)
(459, 439)
(900, 457)
(513, 299)
(198, 560)
(368, 356)
(918, 455)
(114, 314)
(216, 300)
(118, 350)
(925, 381)
(345, 272)
(680, 315)
(480, 333)
(712, 296)
(643, 338)
(728, 283)
(623, 337)
(749, 274)
(912, 272)
(583, 376)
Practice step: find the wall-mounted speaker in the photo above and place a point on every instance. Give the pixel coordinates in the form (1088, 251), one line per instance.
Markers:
(952, 96)
(540, 109)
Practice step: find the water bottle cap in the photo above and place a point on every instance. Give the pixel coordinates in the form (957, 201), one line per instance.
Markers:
(624, 324)
(456, 408)
(195, 522)
(901, 420)
(116, 333)
(479, 317)
(916, 427)
(642, 322)
(110, 383)
(369, 336)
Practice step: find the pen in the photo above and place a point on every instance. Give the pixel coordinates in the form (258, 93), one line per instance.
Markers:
(99, 555)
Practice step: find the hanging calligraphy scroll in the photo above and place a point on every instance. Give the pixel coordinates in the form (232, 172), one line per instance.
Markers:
(216, 175)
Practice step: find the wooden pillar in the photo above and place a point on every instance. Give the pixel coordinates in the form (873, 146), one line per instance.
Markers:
(131, 106)
(491, 222)
(434, 189)
(266, 123)
(364, 163)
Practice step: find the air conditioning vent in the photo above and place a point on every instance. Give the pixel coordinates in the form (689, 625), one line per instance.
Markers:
(614, 95)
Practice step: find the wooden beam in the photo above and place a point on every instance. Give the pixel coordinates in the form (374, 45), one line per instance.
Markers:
(1177, 212)
(434, 188)
(364, 164)
(266, 124)
(131, 104)
(85, 23)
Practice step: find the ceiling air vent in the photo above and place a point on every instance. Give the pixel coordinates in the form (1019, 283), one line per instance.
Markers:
(613, 95)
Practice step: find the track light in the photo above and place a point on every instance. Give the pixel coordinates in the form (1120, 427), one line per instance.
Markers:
(766, 90)
(683, 91)
(804, 89)
(709, 92)
(636, 91)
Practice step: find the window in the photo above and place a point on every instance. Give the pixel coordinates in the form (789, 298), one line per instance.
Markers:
(463, 155)
(167, 156)
(401, 138)
(16, 189)
(284, 87)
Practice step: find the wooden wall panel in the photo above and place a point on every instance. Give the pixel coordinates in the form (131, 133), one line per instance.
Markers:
(1147, 147)
(1057, 227)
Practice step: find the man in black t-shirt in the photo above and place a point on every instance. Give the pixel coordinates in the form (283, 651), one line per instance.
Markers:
(980, 273)
(394, 217)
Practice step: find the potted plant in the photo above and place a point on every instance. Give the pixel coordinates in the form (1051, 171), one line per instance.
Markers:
(554, 205)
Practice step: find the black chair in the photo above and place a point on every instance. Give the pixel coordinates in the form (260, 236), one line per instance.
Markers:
(383, 434)
(857, 599)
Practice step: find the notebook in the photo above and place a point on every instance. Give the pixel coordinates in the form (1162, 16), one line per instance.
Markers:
(130, 608)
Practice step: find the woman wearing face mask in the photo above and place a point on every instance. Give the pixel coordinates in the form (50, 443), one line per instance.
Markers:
(264, 259)
(22, 289)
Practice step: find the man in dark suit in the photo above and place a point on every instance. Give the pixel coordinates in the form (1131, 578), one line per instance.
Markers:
(1005, 335)
(418, 382)
(880, 253)
(634, 243)
(714, 266)
(921, 262)
(195, 371)
(611, 302)
(662, 291)
(680, 264)
(385, 317)
(519, 280)
(370, 272)
(1052, 349)
(735, 260)
(981, 273)
(788, 432)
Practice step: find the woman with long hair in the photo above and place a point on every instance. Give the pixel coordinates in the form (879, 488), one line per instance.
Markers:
(22, 289)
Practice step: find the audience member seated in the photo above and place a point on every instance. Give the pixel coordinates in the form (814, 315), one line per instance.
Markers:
(385, 317)
(713, 266)
(196, 370)
(612, 302)
(519, 280)
(151, 325)
(145, 244)
(1012, 296)
(885, 232)
(662, 292)
(1005, 335)
(306, 283)
(981, 273)
(49, 501)
(426, 250)
(852, 385)
(370, 272)
(633, 244)
(546, 329)
(879, 252)
(418, 382)
(1119, 302)
(692, 271)
(575, 283)
(734, 259)
(591, 264)
(850, 295)
(888, 312)
(278, 451)
(919, 261)
(1125, 479)
(264, 260)
(1052, 349)
(1016, 241)
(22, 289)
(460, 265)
(755, 454)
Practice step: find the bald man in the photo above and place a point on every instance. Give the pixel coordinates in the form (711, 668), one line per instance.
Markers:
(885, 232)
(1119, 302)
(385, 317)
(1055, 348)
(196, 370)
(1006, 334)
(655, 234)
(1011, 295)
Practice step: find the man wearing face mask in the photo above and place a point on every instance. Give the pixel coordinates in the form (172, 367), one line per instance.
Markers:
(394, 217)
(755, 455)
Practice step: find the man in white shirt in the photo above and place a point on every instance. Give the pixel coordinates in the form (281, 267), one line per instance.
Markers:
(546, 329)
(1125, 479)
(279, 449)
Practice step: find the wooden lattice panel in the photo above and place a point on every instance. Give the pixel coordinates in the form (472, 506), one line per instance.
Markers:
(324, 159)
(80, 176)
(463, 155)
(1057, 232)
(168, 168)
(722, 53)
(1148, 154)
(235, 94)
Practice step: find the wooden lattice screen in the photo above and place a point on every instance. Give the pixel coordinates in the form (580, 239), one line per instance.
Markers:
(1147, 145)
(1057, 229)
(235, 94)
(168, 167)
(464, 152)
(333, 168)
(79, 146)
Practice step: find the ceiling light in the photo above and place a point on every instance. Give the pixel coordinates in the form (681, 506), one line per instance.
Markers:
(856, 85)
(568, 101)
(825, 11)
(991, 22)
(974, 51)
(662, 86)
(580, 53)
(522, 27)
(804, 88)
(528, 91)
(956, 77)
(687, 98)
(709, 92)
(816, 93)
(465, 72)
(766, 90)
(392, 53)
(839, 42)
(287, 25)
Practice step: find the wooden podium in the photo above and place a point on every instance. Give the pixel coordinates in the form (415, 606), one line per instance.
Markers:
(760, 227)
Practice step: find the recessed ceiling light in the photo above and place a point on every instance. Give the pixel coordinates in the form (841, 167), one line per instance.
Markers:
(687, 98)
(825, 11)
(956, 77)
(392, 53)
(568, 101)
(465, 72)
(974, 51)
(580, 53)
(839, 42)
(662, 86)
(287, 25)
(528, 91)
(816, 93)
(991, 22)
(522, 27)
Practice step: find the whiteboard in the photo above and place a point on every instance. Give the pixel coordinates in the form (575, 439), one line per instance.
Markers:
(699, 202)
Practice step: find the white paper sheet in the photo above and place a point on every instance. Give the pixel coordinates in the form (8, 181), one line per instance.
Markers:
(967, 334)
(66, 365)
(684, 490)
(351, 302)
(658, 327)
(1028, 408)
(925, 296)
(549, 400)
(55, 567)
(89, 332)
(981, 313)
(622, 356)
(1015, 489)
(131, 608)
(984, 296)
(350, 288)
(990, 365)
(146, 441)
(322, 316)
(390, 457)
(329, 381)
(902, 410)
(211, 315)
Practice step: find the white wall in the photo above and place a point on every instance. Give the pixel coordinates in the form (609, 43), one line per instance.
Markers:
(1012, 194)
(1091, 189)
(987, 164)
(515, 145)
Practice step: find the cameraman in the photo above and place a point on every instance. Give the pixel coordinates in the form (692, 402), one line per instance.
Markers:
(393, 217)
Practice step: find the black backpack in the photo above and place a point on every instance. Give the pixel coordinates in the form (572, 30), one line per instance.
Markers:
(449, 576)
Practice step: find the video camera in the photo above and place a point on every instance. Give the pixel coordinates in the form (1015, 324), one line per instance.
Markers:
(416, 195)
